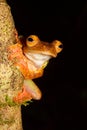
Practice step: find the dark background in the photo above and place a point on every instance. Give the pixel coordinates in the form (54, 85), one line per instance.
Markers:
(63, 85)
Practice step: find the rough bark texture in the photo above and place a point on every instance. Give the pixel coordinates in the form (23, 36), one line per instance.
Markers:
(11, 79)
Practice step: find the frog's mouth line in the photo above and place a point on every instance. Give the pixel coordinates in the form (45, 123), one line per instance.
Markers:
(38, 59)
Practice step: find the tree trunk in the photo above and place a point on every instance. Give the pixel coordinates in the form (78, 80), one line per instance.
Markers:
(11, 78)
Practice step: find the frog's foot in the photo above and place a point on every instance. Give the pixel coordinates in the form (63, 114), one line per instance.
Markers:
(15, 54)
(22, 96)
(15, 51)
(29, 91)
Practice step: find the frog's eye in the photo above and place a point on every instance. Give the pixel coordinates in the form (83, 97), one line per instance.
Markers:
(58, 46)
(32, 40)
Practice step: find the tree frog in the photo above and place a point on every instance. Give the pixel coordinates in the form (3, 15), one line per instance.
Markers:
(31, 57)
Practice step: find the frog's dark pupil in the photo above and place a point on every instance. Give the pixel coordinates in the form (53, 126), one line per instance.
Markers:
(61, 46)
(30, 39)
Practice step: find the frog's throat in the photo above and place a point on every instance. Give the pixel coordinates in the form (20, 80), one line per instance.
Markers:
(40, 60)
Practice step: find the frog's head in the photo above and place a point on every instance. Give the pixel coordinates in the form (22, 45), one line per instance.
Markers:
(40, 52)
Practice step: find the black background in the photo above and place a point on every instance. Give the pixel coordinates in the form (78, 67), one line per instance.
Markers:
(63, 85)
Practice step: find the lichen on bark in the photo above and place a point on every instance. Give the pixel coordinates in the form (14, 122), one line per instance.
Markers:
(11, 79)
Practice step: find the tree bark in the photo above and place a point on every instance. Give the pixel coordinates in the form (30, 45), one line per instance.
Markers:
(11, 79)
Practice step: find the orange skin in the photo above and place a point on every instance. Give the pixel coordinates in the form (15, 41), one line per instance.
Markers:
(21, 62)
(22, 96)
(22, 54)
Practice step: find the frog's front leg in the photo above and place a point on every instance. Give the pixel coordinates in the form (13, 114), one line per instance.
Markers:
(27, 67)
